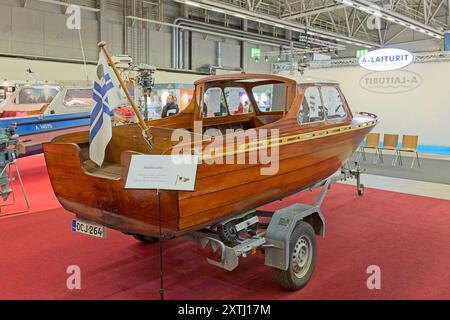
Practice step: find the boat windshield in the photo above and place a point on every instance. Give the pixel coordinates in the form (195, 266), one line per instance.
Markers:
(270, 97)
(79, 97)
(36, 94)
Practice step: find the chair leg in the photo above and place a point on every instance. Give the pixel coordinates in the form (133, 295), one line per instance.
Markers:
(358, 155)
(362, 154)
(381, 155)
(400, 159)
(418, 162)
(376, 157)
(395, 160)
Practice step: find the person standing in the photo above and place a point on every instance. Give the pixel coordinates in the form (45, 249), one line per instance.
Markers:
(171, 108)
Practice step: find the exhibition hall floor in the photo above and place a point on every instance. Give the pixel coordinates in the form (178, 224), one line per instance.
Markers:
(406, 235)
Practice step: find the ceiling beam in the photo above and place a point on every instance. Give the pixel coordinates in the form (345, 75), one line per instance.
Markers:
(313, 11)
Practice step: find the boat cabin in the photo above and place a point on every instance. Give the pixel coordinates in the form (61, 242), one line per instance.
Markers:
(47, 99)
(220, 103)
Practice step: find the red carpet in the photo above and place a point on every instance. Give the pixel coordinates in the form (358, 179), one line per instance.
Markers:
(37, 186)
(407, 236)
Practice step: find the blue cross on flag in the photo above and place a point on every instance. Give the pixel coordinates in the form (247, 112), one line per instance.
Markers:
(107, 97)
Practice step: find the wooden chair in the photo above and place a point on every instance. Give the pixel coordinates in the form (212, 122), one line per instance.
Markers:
(372, 142)
(409, 144)
(390, 142)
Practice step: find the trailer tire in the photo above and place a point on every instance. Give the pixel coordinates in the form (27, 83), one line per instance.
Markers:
(302, 258)
(145, 239)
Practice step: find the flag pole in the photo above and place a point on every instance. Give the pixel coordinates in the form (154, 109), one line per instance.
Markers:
(141, 120)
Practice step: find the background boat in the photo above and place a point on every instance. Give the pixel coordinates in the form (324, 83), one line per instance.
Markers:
(44, 111)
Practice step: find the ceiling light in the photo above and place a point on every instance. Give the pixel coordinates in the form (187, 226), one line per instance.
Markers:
(191, 3)
(377, 14)
(217, 10)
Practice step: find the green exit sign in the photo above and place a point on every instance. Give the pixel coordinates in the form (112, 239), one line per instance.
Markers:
(256, 53)
(361, 52)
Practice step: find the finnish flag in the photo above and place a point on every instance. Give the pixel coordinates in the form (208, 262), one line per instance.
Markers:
(106, 97)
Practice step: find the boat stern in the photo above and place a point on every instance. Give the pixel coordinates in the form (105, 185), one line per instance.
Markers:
(98, 194)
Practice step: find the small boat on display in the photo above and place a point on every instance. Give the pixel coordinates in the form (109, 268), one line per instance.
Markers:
(44, 111)
(316, 132)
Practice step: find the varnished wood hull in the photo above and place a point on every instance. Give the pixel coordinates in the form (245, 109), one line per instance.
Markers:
(309, 151)
(221, 190)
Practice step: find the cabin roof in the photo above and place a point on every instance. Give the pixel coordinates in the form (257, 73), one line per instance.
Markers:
(260, 76)
(304, 79)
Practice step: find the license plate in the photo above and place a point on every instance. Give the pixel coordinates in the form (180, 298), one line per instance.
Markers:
(89, 228)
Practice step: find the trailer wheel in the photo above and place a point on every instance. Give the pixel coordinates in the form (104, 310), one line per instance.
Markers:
(302, 258)
(145, 239)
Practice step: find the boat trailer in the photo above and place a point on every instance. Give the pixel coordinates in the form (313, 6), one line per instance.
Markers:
(288, 239)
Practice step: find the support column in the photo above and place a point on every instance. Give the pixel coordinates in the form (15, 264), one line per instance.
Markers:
(102, 34)
(244, 48)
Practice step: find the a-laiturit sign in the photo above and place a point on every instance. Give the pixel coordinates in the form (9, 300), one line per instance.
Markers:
(386, 59)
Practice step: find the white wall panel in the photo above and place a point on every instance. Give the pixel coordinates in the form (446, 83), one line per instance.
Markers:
(204, 50)
(5, 29)
(160, 48)
(413, 100)
(27, 31)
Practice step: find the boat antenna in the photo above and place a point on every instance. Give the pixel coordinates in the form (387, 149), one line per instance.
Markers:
(84, 56)
(145, 129)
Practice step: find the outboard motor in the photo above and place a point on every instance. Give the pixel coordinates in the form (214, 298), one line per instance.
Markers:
(8, 153)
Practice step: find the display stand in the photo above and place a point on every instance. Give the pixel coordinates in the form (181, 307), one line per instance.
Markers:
(162, 172)
(161, 239)
(7, 170)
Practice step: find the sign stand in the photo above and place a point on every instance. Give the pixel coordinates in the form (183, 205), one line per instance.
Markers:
(161, 238)
(162, 172)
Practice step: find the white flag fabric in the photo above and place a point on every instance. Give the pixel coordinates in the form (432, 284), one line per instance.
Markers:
(107, 97)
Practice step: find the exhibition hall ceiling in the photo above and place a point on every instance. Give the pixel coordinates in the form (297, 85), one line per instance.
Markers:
(373, 22)
(277, 28)
(379, 21)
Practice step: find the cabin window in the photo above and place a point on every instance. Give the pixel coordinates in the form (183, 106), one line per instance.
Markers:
(334, 106)
(237, 100)
(270, 97)
(214, 104)
(311, 109)
(79, 98)
(30, 95)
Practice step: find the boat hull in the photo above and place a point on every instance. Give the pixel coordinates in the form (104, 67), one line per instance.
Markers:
(227, 189)
(37, 130)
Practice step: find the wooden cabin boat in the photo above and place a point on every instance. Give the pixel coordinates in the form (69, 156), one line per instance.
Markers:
(317, 133)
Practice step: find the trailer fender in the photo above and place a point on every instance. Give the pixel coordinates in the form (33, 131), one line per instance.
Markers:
(280, 229)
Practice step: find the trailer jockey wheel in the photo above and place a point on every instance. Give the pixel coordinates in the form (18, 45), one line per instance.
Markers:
(145, 239)
(302, 258)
